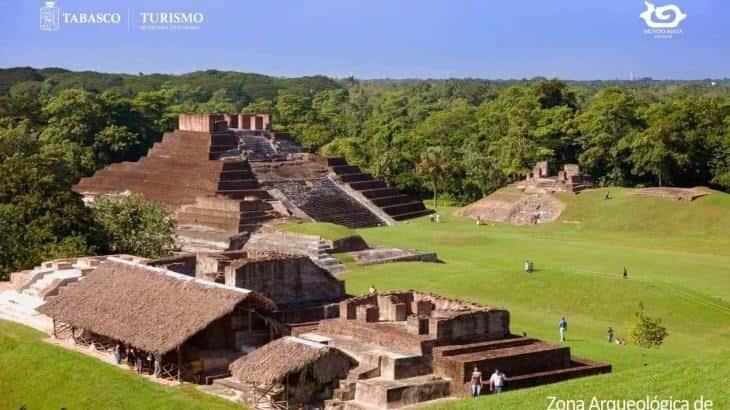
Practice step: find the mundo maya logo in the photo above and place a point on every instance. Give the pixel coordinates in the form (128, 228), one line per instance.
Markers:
(662, 21)
(50, 17)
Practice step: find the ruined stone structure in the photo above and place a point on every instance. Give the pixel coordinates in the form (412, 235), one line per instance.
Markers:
(569, 179)
(228, 174)
(414, 346)
(303, 291)
(382, 350)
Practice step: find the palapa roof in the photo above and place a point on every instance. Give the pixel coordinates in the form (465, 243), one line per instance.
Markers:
(150, 308)
(274, 361)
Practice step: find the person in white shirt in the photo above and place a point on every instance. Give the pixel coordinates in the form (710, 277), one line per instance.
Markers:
(496, 381)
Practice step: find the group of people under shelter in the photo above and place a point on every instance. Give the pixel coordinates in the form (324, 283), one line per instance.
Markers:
(138, 359)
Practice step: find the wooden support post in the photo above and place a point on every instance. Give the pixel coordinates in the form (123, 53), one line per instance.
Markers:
(179, 364)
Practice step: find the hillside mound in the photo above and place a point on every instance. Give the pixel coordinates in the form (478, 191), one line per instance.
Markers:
(518, 208)
(679, 194)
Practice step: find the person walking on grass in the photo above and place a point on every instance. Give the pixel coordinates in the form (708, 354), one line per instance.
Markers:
(563, 327)
(476, 382)
(609, 335)
(626, 273)
(496, 381)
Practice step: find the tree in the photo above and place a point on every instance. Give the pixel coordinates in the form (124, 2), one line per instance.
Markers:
(720, 162)
(117, 143)
(40, 217)
(660, 149)
(610, 118)
(434, 167)
(480, 170)
(134, 225)
(647, 332)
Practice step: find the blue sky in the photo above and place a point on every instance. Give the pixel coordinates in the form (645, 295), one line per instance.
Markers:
(568, 39)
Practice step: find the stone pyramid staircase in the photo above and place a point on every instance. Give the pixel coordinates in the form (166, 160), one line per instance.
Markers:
(258, 147)
(395, 204)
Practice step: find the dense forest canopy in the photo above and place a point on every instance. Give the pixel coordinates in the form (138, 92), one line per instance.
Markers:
(461, 137)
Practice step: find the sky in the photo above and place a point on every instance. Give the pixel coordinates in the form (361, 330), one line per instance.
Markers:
(567, 39)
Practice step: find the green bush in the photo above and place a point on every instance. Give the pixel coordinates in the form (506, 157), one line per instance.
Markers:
(647, 332)
(136, 226)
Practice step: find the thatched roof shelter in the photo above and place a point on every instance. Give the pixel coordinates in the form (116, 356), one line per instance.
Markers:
(273, 362)
(150, 308)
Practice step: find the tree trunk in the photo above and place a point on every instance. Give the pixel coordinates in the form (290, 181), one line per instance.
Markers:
(435, 196)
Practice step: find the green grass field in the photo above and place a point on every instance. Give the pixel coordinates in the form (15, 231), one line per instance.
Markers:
(37, 375)
(677, 254)
(678, 257)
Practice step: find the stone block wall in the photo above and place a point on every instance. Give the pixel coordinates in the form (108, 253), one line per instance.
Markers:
(257, 122)
(475, 326)
(198, 122)
(380, 334)
(232, 120)
(571, 170)
(367, 313)
(287, 281)
(395, 368)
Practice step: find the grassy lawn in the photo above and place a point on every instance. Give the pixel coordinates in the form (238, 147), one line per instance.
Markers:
(38, 375)
(677, 254)
(678, 257)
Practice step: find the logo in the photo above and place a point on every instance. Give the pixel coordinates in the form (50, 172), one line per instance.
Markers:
(50, 17)
(668, 16)
(662, 21)
(170, 20)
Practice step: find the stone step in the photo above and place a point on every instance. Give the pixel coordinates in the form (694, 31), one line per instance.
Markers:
(405, 208)
(358, 176)
(411, 215)
(514, 360)
(333, 161)
(391, 200)
(345, 169)
(453, 350)
(245, 193)
(392, 394)
(238, 184)
(380, 192)
(371, 184)
(578, 368)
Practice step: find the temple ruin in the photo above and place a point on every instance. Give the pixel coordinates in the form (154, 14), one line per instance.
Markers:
(568, 179)
(226, 175)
